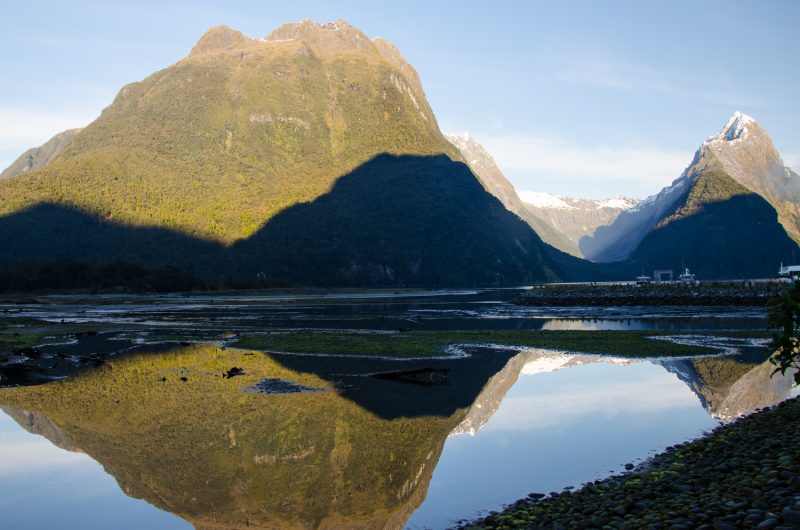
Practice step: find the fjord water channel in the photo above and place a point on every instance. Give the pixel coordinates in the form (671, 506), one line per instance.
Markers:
(166, 422)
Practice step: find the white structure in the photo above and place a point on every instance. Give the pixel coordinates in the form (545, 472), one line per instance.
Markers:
(687, 277)
(790, 271)
(642, 280)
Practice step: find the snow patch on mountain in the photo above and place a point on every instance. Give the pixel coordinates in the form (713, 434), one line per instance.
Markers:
(547, 200)
(621, 203)
(543, 200)
(735, 130)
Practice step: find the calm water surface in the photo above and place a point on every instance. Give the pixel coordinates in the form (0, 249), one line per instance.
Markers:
(132, 445)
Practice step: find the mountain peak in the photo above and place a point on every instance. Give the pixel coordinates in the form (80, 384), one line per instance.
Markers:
(332, 36)
(220, 38)
(735, 129)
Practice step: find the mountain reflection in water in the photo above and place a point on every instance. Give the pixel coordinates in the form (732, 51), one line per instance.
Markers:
(360, 454)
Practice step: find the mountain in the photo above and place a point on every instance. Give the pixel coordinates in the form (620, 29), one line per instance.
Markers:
(308, 157)
(495, 182)
(729, 387)
(221, 456)
(743, 151)
(36, 158)
(560, 222)
(574, 218)
(720, 229)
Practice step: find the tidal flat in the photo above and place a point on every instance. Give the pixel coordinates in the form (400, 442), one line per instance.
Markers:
(401, 409)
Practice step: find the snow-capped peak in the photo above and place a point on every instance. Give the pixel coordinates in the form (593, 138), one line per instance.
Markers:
(543, 200)
(548, 200)
(735, 129)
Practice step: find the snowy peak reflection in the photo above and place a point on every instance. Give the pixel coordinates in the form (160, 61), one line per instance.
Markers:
(727, 386)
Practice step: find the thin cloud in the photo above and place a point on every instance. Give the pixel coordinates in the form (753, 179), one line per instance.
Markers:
(543, 157)
(629, 77)
(792, 160)
(22, 128)
(653, 393)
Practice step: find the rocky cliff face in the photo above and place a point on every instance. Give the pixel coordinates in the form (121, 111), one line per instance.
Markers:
(495, 182)
(575, 219)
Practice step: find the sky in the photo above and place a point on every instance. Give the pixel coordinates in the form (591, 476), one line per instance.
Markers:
(587, 99)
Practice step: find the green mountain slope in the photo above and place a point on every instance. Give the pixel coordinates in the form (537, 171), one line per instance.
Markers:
(276, 162)
(720, 230)
(218, 143)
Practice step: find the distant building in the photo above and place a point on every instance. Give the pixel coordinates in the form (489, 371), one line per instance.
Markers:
(687, 277)
(643, 280)
(662, 275)
(790, 271)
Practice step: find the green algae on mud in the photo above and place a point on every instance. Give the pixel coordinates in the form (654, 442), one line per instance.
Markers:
(433, 343)
(11, 341)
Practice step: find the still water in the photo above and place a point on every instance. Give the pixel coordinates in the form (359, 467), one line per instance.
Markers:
(161, 439)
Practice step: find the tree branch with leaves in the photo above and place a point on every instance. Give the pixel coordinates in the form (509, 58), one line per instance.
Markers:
(784, 314)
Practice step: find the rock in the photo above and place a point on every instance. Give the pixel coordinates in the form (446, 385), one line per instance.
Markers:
(233, 372)
(790, 516)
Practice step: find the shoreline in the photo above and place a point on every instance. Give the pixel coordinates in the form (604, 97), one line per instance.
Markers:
(739, 294)
(744, 474)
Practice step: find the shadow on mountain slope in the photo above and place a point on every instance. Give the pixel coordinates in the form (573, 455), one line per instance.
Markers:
(395, 220)
(735, 238)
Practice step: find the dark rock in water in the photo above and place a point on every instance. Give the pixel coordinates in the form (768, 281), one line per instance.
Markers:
(280, 386)
(31, 353)
(629, 466)
(233, 372)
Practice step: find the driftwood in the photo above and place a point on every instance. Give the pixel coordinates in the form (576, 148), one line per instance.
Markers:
(419, 376)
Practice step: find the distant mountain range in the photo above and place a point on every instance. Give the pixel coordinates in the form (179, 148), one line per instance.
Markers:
(559, 221)
(733, 213)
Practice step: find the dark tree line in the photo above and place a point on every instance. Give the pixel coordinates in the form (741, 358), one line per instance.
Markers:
(115, 276)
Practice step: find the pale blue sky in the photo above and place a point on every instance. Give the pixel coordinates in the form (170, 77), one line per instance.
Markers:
(587, 99)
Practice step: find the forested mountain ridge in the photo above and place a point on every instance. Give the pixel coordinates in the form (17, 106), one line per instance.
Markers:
(309, 157)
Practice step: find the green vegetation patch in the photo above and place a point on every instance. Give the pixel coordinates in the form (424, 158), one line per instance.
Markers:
(14, 341)
(428, 343)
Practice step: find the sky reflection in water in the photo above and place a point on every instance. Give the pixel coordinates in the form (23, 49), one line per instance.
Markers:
(561, 429)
